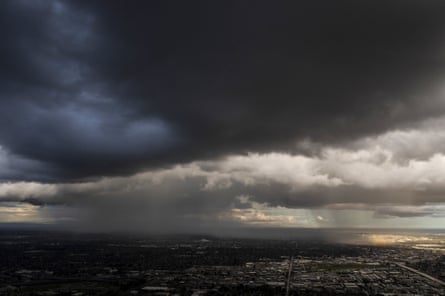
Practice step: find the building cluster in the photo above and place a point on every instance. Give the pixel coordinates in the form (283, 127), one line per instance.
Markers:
(33, 265)
(358, 276)
(309, 276)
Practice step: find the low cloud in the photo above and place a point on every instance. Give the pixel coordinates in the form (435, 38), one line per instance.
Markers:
(254, 189)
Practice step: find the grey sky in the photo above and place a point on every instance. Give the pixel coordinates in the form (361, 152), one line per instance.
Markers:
(222, 113)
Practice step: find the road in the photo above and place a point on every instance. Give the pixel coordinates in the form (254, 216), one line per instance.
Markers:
(421, 273)
(289, 273)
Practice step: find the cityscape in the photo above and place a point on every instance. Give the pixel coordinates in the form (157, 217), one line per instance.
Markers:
(52, 263)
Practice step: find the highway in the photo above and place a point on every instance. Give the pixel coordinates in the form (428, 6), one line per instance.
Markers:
(421, 273)
(289, 274)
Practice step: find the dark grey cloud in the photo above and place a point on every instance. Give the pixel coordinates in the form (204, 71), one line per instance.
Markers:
(93, 88)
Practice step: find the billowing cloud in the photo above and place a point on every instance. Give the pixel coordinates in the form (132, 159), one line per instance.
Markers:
(202, 113)
(256, 189)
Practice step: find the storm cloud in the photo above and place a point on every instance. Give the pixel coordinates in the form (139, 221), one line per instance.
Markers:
(93, 88)
(222, 110)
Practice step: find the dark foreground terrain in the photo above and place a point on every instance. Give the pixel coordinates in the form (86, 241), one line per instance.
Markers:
(56, 263)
